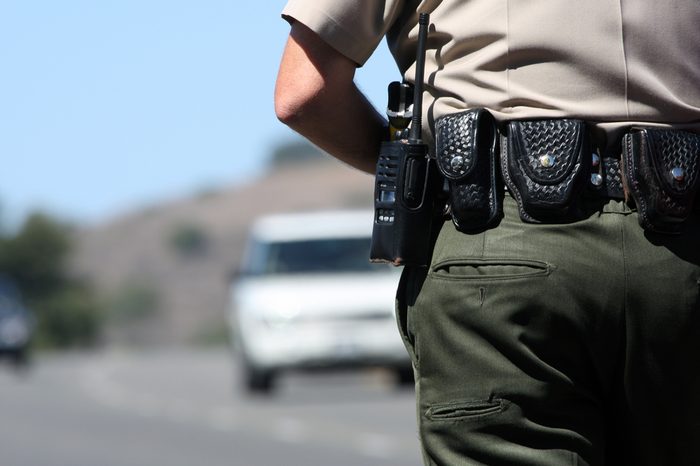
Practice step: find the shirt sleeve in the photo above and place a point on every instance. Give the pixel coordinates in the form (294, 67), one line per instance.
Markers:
(352, 27)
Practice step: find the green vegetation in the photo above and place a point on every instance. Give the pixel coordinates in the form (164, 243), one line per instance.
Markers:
(294, 152)
(133, 302)
(36, 259)
(212, 334)
(189, 240)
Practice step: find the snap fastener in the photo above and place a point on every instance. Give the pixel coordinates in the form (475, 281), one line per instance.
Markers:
(547, 161)
(678, 174)
(595, 160)
(457, 162)
(596, 179)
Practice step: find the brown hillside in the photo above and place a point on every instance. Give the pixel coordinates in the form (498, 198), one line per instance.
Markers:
(179, 255)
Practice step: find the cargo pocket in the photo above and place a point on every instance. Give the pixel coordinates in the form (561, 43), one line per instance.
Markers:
(465, 409)
(492, 431)
(462, 430)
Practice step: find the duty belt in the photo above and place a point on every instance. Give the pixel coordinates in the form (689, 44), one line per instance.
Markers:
(549, 167)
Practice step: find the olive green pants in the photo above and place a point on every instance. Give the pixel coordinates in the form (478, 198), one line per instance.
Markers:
(558, 344)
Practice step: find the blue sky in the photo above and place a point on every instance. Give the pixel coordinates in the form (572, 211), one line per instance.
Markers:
(110, 105)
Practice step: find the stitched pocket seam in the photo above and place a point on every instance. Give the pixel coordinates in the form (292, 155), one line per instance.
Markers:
(457, 411)
(537, 269)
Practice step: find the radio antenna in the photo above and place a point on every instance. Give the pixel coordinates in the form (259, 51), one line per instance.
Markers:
(415, 136)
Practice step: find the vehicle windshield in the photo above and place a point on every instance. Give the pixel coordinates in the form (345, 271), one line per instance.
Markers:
(336, 255)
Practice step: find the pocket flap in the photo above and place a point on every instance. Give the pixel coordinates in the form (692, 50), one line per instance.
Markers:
(548, 151)
(457, 139)
(676, 158)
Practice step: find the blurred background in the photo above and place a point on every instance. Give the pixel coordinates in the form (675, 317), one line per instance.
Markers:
(139, 144)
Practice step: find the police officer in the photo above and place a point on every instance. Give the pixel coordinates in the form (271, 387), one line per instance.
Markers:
(548, 337)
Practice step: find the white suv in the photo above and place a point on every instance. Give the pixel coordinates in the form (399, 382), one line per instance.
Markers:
(308, 297)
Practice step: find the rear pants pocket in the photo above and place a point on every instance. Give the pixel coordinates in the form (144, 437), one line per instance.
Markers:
(489, 269)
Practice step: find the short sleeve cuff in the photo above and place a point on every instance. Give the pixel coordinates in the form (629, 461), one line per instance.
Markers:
(339, 35)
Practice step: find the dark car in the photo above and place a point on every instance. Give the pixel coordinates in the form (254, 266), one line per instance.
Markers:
(16, 324)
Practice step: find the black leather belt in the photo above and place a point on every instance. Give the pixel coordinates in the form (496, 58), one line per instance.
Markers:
(549, 166)
(606, 177)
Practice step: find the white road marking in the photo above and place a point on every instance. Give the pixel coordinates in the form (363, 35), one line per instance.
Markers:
(100, 381)
(291, 430)
(378, 446)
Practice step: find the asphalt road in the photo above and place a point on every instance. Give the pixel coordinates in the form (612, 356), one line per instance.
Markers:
(180, 408)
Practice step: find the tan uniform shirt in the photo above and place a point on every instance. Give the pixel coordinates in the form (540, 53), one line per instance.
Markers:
(611, 62)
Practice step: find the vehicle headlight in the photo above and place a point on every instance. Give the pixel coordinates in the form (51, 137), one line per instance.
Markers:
(278, 317)
(14, 330)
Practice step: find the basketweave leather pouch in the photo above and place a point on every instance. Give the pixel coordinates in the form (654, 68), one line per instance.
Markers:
(661, 171)
(545, 165)
(465, 146)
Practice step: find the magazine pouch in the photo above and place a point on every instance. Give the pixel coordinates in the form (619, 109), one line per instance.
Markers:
(465, 146)
(660, 169)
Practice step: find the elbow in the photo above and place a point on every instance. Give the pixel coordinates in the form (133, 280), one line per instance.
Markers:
(311, 76)
(293, 108)
(287, 108)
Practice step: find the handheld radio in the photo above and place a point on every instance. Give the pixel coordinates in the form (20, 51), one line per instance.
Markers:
(406, 179)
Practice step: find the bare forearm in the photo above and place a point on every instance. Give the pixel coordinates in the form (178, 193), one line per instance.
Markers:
(350, 130)
(316, 96)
